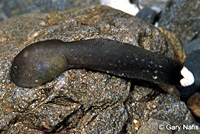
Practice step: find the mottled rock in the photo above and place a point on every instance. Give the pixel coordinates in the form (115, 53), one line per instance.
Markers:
(192, 131)
(79, 99)
(17, 128)
(163, 107)
(182, 19)
(104, 120)
(194, 103)
(9, 8)
(154, 126)
(176, 44)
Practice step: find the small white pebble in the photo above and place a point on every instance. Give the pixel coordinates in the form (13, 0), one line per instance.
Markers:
(155, 77)
(42, 23)
(188, 78)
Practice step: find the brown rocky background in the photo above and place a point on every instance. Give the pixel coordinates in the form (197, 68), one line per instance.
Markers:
(81, 101)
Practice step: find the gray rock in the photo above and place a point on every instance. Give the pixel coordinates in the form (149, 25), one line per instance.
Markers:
(182, 18)
(192, 46)
(163, 108)
(147, 15)
(154, 126)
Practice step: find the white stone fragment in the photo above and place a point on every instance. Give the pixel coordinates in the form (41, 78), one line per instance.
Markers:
(188, 78)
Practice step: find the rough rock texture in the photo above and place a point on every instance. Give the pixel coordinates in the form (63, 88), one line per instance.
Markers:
(182, 18)
(177, 46)
(80, 100)
(9, 8)
(154, 126)
(194, 103)
(142, 106)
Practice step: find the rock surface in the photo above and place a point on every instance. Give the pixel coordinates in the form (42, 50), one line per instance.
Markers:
(9, 8)
(80, 100)
(192, 46)
(165, 108)
(194, 103)
(147, 15)
(154, 127)
(182, 18)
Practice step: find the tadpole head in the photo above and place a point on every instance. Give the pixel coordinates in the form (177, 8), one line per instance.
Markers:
(38, 64)
(25, 71)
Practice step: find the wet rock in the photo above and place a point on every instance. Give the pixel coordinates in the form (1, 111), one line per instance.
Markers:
(194, 103)
(182, 19)
(154, 126)
(80, 99)
(18, 7)
(22, 129)
(104, 120)
(147, 15)
(48, 116)
(163, 107)
(188, 131)
(192, 46)
(176, 45)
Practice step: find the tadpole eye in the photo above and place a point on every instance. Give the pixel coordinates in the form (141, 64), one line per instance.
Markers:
(14, 71)
(15, 68)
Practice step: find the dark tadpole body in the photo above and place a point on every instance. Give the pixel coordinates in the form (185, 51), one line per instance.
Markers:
(43, 61)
